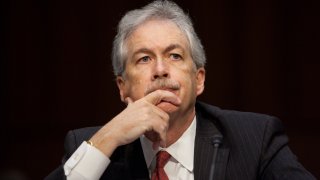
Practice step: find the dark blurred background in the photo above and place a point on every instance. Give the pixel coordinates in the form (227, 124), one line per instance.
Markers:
(56, 74)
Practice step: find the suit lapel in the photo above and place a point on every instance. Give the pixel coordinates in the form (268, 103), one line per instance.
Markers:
(221, 164)
(136, 162)
(206, 129)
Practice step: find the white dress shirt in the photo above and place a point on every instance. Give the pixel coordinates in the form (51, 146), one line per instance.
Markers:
(89, 163)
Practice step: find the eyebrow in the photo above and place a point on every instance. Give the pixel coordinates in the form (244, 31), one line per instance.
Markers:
(143, 50)
(166, 50)
(172, 47)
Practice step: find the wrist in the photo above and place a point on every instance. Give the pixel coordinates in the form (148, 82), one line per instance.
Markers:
(106, 145)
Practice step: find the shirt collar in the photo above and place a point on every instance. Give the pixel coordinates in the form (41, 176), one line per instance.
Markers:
(182, 150)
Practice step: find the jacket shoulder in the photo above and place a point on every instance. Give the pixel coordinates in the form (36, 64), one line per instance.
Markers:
(75, 137)
(239, 119)
(239, 128)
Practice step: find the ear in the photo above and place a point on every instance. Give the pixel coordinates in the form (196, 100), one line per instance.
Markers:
(200, 78)
(121, 86)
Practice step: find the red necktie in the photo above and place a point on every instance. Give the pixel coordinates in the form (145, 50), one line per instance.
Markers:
(162, 159)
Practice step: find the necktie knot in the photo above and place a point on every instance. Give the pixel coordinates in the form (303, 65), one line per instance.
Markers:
(159, 173)
(162, 158)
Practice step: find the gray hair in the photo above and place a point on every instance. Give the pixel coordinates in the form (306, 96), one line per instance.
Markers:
(164, 10)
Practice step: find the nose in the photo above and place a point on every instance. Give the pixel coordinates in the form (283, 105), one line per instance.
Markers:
(160, 70)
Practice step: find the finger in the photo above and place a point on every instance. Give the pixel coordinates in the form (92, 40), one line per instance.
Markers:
(152, 136)
(160, 113)
(161, 131)
(157, 141)
(162, 95)
(128, 101)
(163, 138)
(155, 145)
(158, 134)
(163, 144)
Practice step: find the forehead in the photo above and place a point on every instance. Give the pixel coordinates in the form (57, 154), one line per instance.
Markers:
(156, 34)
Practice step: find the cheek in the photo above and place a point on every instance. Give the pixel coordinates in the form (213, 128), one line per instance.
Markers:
(135, 89)
(137, 80)
(188, 81)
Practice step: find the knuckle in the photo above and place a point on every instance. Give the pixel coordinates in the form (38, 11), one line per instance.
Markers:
(166, 116)
(164, 127)
(146, 128)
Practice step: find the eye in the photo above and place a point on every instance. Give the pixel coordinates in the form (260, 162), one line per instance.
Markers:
(175, 56)
(144, 59)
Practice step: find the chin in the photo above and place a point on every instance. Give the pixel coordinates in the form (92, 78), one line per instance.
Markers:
(167, 107)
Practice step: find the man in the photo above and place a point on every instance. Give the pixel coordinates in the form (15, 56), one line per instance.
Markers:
(159, 63)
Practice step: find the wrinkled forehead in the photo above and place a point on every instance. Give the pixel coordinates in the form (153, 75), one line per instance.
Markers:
(156, 32)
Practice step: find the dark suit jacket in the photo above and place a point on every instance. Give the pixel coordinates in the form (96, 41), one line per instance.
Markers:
(254, 147)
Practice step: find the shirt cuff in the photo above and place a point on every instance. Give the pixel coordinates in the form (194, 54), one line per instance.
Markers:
(87, 161)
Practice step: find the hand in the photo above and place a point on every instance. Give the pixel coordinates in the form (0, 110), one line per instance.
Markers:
(140, 117)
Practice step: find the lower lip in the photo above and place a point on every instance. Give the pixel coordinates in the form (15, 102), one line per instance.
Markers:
(167, 106)
(165, 103)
